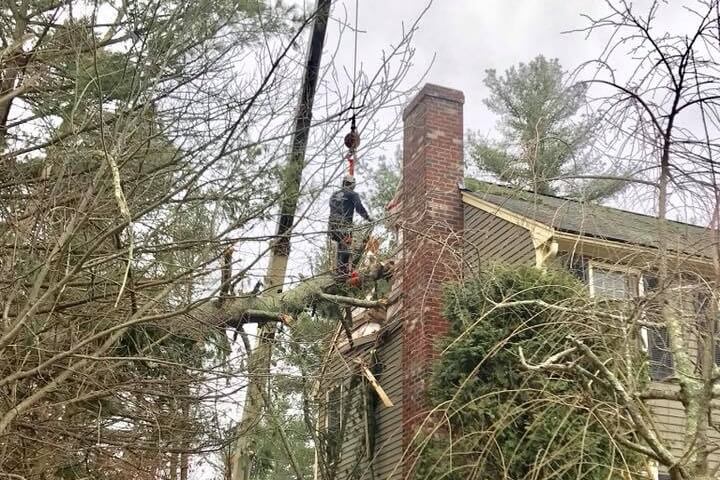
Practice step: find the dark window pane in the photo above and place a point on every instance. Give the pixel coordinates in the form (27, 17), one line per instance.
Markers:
(702, 299)
(650, 283)
(578, 266)
(333, 422)
(705, 313)
(661, 362)
(702, 303)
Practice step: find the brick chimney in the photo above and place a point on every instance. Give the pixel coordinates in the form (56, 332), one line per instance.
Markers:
(432, 221)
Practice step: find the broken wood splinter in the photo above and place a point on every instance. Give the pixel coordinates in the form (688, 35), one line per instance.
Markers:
(373, 381)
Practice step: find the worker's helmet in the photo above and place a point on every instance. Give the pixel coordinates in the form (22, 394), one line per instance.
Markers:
(348, 181)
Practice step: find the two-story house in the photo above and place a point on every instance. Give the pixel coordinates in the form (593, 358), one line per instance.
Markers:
(448, 225)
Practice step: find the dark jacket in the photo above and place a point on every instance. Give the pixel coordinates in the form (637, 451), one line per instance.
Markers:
(343, 205)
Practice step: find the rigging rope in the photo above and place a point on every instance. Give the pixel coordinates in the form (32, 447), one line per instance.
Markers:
(352, 104)
(352, 139)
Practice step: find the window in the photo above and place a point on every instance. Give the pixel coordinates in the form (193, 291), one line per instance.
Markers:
(333, 421)
(663, 476)
(704, 312)
(656, 338)
(659, 353)
(577, 265)
(608, 282)
(613, 283)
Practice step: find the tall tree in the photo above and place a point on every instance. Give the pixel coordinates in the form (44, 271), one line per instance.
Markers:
(545, 132)
(121, 139)
(138, 141)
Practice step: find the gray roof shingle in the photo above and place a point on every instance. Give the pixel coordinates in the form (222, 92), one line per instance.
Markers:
(593, 220)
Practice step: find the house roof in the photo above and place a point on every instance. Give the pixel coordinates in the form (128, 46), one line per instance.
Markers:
(591, 220)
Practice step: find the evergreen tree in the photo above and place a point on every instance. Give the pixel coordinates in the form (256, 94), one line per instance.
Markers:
(499, 419)
(385, 179)
(113, 189)
(545, 134)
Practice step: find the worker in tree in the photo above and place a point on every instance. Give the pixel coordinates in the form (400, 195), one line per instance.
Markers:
(343, 205)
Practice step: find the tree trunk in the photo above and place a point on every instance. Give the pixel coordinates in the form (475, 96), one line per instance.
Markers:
(10, 69)
(172, 474)
(260, 357)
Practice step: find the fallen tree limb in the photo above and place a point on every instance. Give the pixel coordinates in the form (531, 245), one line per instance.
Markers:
(284, 307)
(354, 302)
(374, 383)
(257, 316)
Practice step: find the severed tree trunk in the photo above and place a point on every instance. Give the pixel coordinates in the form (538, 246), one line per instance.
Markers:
(284, 306)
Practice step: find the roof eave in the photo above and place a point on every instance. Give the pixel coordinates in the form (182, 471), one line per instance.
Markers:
(542, 233)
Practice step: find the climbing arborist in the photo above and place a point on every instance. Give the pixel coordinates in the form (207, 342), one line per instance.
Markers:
(343, 205)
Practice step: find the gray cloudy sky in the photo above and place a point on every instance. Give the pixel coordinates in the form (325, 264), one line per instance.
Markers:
(466, 37)
(469, 36)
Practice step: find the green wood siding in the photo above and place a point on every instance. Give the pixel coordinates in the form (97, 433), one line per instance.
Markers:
(389, 448)
(488, 238)
(385, 425)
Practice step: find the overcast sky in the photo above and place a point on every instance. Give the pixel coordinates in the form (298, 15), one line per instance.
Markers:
(457, 40)
(466, 37)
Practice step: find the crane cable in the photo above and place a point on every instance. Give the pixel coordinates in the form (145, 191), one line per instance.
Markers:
(352, 139)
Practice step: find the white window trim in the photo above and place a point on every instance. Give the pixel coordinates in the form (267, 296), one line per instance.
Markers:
(644, 338)
(643, 330)
(654, 471)
(341, 390)
(593, 264)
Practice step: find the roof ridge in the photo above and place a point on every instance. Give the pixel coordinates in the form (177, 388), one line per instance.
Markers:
(579, 202)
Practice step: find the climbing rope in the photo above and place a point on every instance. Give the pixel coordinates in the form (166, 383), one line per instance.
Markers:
(352, 139)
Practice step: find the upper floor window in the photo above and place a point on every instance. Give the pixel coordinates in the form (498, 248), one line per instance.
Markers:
(334, 417)
(612, 284)
(707, 313)
(659, 353)
(609, 282)
(685, 297)
(656, 338)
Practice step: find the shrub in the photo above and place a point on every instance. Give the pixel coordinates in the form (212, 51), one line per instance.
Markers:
(499, 420)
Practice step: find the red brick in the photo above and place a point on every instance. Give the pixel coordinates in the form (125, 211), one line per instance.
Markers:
(432, 218)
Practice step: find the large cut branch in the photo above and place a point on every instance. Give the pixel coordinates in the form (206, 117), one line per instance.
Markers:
(285, 306)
